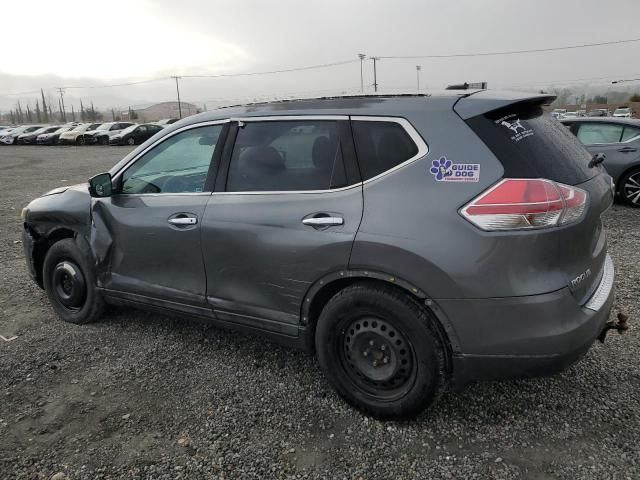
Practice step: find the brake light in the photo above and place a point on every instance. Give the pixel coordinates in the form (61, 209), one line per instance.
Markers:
(520, 203)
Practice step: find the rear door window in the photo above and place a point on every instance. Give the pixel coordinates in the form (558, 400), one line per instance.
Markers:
(591, 133)
(381, 146)
(530, 144)
(287, 156)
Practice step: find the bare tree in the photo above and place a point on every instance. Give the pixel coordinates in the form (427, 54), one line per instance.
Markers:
(44, 107)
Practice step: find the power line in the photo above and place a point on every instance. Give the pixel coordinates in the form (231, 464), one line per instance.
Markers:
(270, 72)
(513, 52)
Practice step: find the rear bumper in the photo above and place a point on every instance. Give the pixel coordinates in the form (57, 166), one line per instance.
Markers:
(526, 336)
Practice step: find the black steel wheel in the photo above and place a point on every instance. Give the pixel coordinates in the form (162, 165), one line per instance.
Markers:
(630, 188)
(80, 140)
(70, 283)
(381, 350)
(378, 357)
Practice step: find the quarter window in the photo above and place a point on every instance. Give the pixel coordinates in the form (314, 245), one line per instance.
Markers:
(380, 146)
(630, 133)
(592, 133)
(177, 165)
(286, 156)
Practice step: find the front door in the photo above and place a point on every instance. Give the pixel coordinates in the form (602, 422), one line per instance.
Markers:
(152, 224)
(288, 212)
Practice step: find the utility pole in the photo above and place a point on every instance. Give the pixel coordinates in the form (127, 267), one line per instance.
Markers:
(178, 92)
(64, 112)
(375, 76)
(361, 56)
(418, 68)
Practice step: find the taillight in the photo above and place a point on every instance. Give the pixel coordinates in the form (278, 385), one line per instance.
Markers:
(521, 203)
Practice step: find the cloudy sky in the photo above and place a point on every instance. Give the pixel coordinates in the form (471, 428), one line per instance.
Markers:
(89, 44)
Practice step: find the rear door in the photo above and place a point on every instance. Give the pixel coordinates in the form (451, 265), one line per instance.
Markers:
(287, 205)
(619, 142)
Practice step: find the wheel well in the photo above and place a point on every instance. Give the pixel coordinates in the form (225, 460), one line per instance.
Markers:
(624, 174)
(42, 246)
(320, 299)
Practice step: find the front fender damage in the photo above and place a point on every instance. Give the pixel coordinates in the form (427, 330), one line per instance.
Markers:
(100, 242)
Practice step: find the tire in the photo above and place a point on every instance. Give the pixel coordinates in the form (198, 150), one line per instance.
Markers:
(630, 188)
(381, 351)
(131, 141)
(103, 140)
(70, 284)
(80, 140)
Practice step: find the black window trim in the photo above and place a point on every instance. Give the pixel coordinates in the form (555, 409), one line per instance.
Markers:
(349, 153)
(117, 177)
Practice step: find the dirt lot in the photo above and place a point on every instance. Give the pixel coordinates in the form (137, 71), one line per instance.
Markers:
(138, 395)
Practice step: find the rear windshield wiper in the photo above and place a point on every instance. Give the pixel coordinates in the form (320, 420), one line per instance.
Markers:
(597, 159)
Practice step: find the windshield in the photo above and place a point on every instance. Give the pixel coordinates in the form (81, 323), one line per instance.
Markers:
(622, 110)
(61, 129)
(104, 126)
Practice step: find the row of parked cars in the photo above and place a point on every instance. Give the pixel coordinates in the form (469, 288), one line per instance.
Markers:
(109, 133)
(621, 112)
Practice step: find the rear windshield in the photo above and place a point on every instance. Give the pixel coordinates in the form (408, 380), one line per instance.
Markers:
(530, 144)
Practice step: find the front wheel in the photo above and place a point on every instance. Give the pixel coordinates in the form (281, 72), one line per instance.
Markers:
(103, 140)
(381, 351)
(80, 140)
(630, 188)
(131, 141)
(70, 283)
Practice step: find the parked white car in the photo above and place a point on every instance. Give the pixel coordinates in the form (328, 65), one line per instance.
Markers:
(622, 112)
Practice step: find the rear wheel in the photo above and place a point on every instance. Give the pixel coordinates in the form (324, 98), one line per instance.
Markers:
(70, 283)
(630, 188)
(131, 141)
(103, 140)
(80, 140)
(381, 351)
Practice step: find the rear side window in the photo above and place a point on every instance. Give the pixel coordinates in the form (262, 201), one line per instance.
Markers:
(287, 156)
(592, 133)
(630, 133)
(530, 144)
(380, 146)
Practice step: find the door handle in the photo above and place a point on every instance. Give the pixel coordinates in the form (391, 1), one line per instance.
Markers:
(183, 220)
(323, 221)
(627, 149)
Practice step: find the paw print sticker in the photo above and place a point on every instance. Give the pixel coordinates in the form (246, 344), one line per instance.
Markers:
(441, 168)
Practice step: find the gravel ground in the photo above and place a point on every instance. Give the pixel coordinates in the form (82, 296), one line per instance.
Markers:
(139, 395)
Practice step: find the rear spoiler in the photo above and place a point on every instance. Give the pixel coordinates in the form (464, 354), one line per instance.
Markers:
(483, 101)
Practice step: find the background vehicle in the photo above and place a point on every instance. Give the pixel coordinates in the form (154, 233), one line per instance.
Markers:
(103, 132)
(581, 113)
(10, 138)
(348, 220)
(167, 121)
(598, 112)
(619, 140)
(30, 137)
(622, 112)
(76, 135)
(51, 138)
(558, 112)
(135, 134)
(569, 115)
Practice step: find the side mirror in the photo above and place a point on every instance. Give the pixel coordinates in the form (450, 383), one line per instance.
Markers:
(100, 185)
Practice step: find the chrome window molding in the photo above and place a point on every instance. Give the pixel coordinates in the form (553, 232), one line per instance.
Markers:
(423, 149)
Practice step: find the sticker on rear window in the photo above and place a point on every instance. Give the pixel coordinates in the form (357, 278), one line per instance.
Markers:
(517, 130)
(444, 170)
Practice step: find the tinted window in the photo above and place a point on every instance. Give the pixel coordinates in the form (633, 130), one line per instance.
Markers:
(590, 133)
(380, 146)
(177, 165)
(530, 144)
(629, 133)
(286, 156)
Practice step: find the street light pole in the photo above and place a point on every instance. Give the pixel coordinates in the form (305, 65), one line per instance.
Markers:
(418, 68)
(375, 76)
(361, 56)
(178, 92)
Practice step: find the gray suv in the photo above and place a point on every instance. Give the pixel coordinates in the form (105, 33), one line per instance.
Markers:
(411, 242)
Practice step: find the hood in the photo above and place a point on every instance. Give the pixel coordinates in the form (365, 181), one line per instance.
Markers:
(80, 187)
